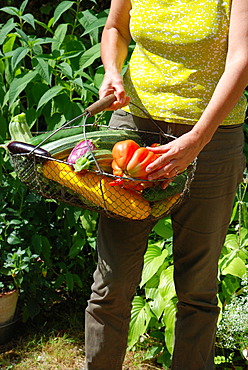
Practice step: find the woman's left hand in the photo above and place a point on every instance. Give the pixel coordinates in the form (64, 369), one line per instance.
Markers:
(175, 156)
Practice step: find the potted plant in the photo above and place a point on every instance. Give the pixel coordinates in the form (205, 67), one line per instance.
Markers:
(12, 268)
(8, 307)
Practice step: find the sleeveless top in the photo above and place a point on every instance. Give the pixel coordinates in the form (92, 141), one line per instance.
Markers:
(179, 57)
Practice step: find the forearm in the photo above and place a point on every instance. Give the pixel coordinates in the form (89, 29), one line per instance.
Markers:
(227, 93)
(114, 49)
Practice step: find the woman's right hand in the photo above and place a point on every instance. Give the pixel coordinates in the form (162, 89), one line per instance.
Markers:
(113, 84)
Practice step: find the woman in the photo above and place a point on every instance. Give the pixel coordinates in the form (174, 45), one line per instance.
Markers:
(188, 71)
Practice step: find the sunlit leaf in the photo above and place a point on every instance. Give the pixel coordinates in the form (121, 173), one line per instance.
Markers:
(236, 267)
(139, 320)
(49, 95)
(61, 8)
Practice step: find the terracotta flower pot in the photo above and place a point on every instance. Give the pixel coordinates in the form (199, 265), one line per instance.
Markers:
(8, 302)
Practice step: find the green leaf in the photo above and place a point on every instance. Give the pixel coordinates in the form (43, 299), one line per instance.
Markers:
(19, 84)
(18, 55)
(23, 36)
(164, 228)
(153, 259)
(157, 305)
(13, 239)
(69, 280)
(89, 56)
(23, 6)
(49, 95)
(166, 286)
(9, 43)
(95, 25)
(29, 18)
(169, 318)
(140, 318)
(76, 248)
(236, 267)
(46, 250)
(59, 36)
(44, 70)
(61, 8)
(10, 10)
(6, 29)
(65, 69)
(46, 27)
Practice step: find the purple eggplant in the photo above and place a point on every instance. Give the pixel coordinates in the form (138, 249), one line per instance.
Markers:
(18, 147)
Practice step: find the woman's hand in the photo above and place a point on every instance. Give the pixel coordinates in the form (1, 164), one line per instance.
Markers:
(113, 84)
(175, 156)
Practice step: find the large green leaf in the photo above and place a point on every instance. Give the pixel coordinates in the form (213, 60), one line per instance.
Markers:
(44, 70)
(59, 36)
(95, 25)
(166, 286)
(163, 228)
(169, 319)
(6, 29)
(140, 318)
(19, 84)
(153, 259)
(49, 95)
(89, 56)
(18, 55)
(236, 267)
(61, 8)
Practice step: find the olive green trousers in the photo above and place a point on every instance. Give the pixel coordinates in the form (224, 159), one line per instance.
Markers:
(200, 226)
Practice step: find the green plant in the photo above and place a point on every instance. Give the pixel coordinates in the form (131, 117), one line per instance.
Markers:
(232, 332)
(50, 78)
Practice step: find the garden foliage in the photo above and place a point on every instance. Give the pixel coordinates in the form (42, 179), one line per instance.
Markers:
(51, 71)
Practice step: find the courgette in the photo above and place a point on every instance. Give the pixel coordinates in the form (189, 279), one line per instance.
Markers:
(97, 190)
(19, 130)
(106, 140)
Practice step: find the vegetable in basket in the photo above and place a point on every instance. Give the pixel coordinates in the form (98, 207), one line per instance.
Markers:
(95, 160)
(131, 160)
(96, 189)
(80, 150)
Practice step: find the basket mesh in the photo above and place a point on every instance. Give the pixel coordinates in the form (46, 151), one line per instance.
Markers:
(56, 179)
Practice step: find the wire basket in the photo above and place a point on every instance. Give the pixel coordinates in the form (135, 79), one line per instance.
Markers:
(93, 189)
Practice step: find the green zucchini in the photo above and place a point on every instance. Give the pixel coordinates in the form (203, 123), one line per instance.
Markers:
(102, 139)
(63, 133)
(156, 193)
(19, 130)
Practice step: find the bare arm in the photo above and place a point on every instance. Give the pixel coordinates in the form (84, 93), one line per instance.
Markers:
(180, 153)
(114, 47)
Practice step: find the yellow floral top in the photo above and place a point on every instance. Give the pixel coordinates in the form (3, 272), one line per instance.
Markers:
(178, 58)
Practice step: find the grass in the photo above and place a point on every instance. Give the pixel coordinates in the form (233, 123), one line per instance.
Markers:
(55, 340)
